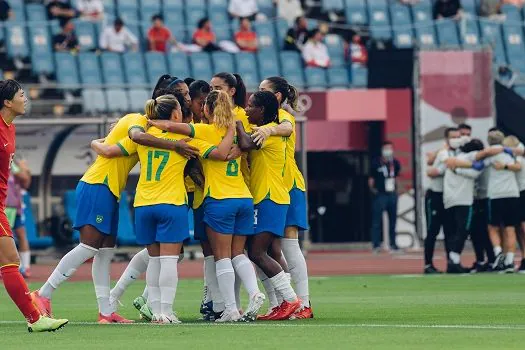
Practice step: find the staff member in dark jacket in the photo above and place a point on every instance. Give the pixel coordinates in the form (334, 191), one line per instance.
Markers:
(382, 183)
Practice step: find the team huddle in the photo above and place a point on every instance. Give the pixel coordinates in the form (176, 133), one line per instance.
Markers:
(480, 192)
(232, 161)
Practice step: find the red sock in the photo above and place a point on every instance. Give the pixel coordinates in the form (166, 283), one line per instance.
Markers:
(17, 289)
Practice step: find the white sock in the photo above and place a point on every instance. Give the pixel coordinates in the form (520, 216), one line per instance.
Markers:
(226, 279)
(297, 267)
(213, 284)
(136, 267)
(497, 250)
(66, 268)
(509, 258)
(206, 295)
(100, 271)
(145, 293)
(25, 260)
(168, 280)
(152, 281)
(244, 269)
(268, 287)
(454, 257)
(282, 285)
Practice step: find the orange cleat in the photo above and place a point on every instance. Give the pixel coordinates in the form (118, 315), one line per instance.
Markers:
(286, 309)
(42, 304)
(113, 318)
(269, 314)
(302, 313)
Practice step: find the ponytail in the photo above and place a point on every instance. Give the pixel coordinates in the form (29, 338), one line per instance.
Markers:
(220, 107)
(289, 93)
(161, 107)
(293, 97)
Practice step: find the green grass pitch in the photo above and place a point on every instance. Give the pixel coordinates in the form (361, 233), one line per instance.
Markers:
(370, 312)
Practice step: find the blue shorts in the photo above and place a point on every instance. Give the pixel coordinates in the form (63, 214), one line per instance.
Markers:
(297, 215)
(229, 216)
(270, 217)
(20, 221)
(199, 229)
(98, 207)
(162, 223)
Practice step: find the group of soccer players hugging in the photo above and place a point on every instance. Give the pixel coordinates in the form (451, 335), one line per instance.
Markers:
(202, 145)
(480, 192)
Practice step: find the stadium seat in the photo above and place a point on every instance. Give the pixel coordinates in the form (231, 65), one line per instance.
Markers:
(16, 41)
(94, 101)
(39, 39)
(266, 36)
(426, 35)
(355, 12)
(42, 63)
(70, 208)
(246, 65)
(401, 25)
(359, 76)
(219, 17)
(291, 61)
(171, 7)
(201, 68)
(268, 64)
(137, 98)
(127, 4)
(134, 68)
(86, 35)
(469, 34)
(177, 29)
(251, 79)
(126, 233)
(334, 43)
(422, 12)
(155, 66)
(512, 13)
(315, 78)
(222, 62)
(147, 14)
(447, 33)
(129, 16)
(66, 69)
(89, 66)
(379, 19)
(117, 100)
(294, 77)
(193, 14)
(267, 8)
(403, 37)
(112, 68)
(54, 27)
(178, 65)
(218, 4)
(223, 32)
(281, 28)
(338, 77)
(17, 6)
(520, 90)
(491, 35)
(470, 7)
(35, 241)
(513, 38)
(151, 5)
(36, 13)
(332, 5)
(400, 14)
(109, 7)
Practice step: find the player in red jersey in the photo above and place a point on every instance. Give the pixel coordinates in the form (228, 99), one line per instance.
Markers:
(12, 104)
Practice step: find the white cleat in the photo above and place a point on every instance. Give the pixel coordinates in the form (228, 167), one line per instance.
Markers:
(256, 302)
(165, 319)
(229, 316)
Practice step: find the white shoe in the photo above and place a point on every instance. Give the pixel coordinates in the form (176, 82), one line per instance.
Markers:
(165, 319)
(256, 302)
(229, 316)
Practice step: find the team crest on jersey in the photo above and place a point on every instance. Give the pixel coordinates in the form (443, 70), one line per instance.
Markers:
(100, 218)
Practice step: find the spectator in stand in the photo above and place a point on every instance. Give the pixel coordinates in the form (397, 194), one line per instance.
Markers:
(315, 52)
(490, 8)
(66, 40)
(245, 38)
(448, 9)
(358, 52)
(297, 35)
(159, 36)
(61, 10)
(204, 36)
(91, 9)
(243, 8)
(5, 11)
(118, 38)
(289, 10)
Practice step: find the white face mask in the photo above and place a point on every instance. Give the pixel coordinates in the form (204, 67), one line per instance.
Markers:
(465, 139)
(455, 143)
(387, 152)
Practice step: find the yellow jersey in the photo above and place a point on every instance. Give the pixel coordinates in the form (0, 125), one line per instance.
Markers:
(292, 175)
(189, 184)
(223, 179)
(198, 197)
(267, 170)
(240, 114)
(114, 172)
(161, 178)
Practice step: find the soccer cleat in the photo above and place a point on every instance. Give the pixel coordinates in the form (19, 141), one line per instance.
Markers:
(139, 302)
(46, 324)
(145, 313)
(165, 319)
(113, 318)
(479, 267)
(256, 302)
(456, 268)
(431, 270)
(499, 263)
(271, 312)
(42, 304)
(521, 270)
(508, 269)
(302, 313)
(286, 309)
(229, 316)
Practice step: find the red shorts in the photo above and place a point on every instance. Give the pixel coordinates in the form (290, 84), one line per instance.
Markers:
(5, 228)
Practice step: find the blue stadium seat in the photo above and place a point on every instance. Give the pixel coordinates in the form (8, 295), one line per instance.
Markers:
(469, 34)
(512, 13)
(134, 68)
(379, 19)
(36, 12)
(338, 77)
(223, 32)
(520, 90)
(251, 79)
(66, 69)
(70, 207)
(422, 11)
(86, 35)
(42, 63)
(147, 14)
(117, 100)
(281, 28)
(426, 35)
(178, 64)
(218, 4)
(355, 12)
(35, 241)
(127, 4)
(513, 38)
(469, 6)
(315, 78)
(291, 61)
(16, 40)
(219, 16)
(129, 15)
(294, 77)
(39, 39)
(491, 35)
(193, 15)
(17, 6)
(173, 5)
(112, 68)
(126, 233)
(178, 30)
(90, 73)
(400, 14)
(247, 67)
(403, 37)
(448, 33)
(268, 64)
(332, 5)
(267, 8)
(334, 43)
(109, 7)
(266, 36)
(201, 68)
(155, 66)
(222, 62)
(359, 76)
(312, 23)
(54, 27)
(137, 97)
(94, 101)
(151, 5)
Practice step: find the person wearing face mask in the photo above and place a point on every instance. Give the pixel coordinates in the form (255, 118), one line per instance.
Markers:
(382, 183)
